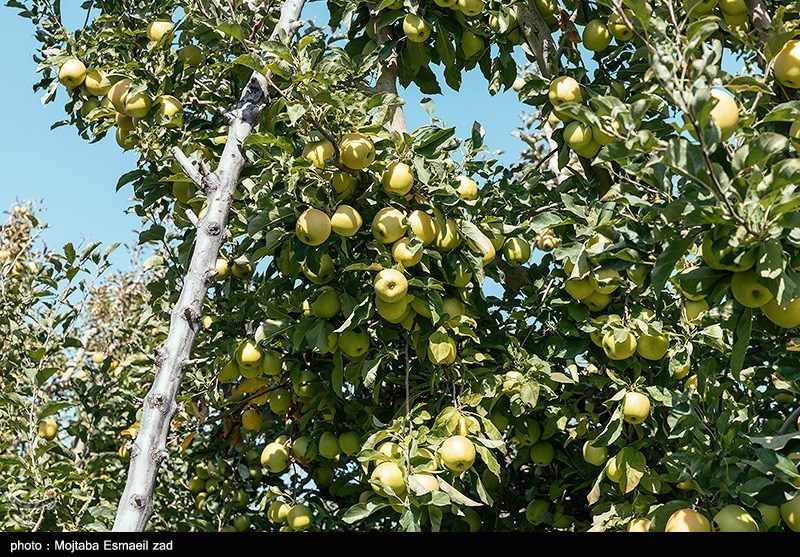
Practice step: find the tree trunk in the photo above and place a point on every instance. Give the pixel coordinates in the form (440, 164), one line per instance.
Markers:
(149, 449)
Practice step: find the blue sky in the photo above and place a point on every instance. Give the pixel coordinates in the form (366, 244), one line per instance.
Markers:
(76, 180)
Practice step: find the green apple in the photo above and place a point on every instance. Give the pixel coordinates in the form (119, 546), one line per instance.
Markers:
(350, 442)
(786, 65)
(197, 485)
(562, 90)
(390, 474)
(542, 453)
(96, 83)
(423, 226)
(393, 312)
(604, 281)
(747, 290)
(788, 317)
(535, 510)
(321, 275)
(313, 227)
(156, 30)
(598, 244)
(252, 419)
(443, 355)
(72, 73)
(471, 44)
(279, 401)
(275, 457)
(318, 152)
(392, 450)
(725, 113)
(448, 239)
(388, 226)
(596, 456)
(242, 269)
(457, 453)
(390, 285)
(462, 275)
(138, 105)
(356, 151)
(578, 135)
(125, 139)
(329, 445)
(635, 407)
(733, 7)
(597, 301)
(416, 29)
(726, 259)
(578, 288)
(354, 343)
(191, 55)
(118, 92)
(516, 250)
(453, 307)
(618, 29)
(277, 512)
(470, 8)
(733, 518)
(687, 520)
(527, 431)
(467, 188)
(343, 184)
(693, 309)
(397, 179)
(170, 111)
(403, 253)
(423, 483)
(327, 304)
(229, 373)
(445, 3)
(639, 525)
(614, 469)
(420, 307)
(596, 36)
(600, 322)
(346, 221)
(303, 447)
(790, 511)
(299, 518)
(48, 429)
(770, 515)
(248, 354)
(652, 347)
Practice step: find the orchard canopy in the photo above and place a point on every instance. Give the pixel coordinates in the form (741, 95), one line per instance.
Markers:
(338, 323)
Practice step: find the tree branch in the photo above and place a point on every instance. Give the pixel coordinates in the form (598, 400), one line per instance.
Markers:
(387, 82)
(789, 421)
(538, 37)
(149, 449)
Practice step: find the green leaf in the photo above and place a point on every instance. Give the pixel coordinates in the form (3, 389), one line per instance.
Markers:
(361, 511)
(667, 260)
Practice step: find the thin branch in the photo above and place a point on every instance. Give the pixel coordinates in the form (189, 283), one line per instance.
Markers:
(188, 167)
(791, 419)
(538, 37)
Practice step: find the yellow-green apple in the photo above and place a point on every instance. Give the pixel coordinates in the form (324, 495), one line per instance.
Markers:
(125, 123)
(320, 275)
(72, 73)
(356, 151)
(398, 178)
(562, 90)
(393, 312)
(390, 285)
(604, 281)
(614, 468)
(277, 512)
(516, 250)
(389, 225)
(687, 520)
(448, 238)
(169, 110)
(548, 9)
(618, 29)
(790, 511)
(443, 354)
(733, 7)
(392, 450)
(639, 525)
(229, 372)
(471, 44)
(279, 401)
(343, 184)
(138, 105)
(416, 29)
(596, 36)
(725, 113)
(304, 447)
(578, 135)
(467, 188)
(349, 442)
(635, 407)
(48, 429)
(542, 453)
(329, 445)
(391, 475)
(248, 354)
(252, 419)
(597, 301)
(423, 483)
(693, 309)
(299, 518)
(354, 343)
(535, 510)
(346, 221)
(596, 456)
(786, 65)
(578, 288)
(453, 307)
(97, 83)
(726, 259)
(157, 29)
(270, 362)
(118, 92)
(788, 317)
(748, 291)
(403, 253)
(457, 453)
(462, 274)
(88, 105)
(327, 304)
(470, 8)
(733, 518)
(313, 227)
(191, 55)
(318, 152)
(420, 307)
(275, 457)
(770, 515)
(600, 322)
(652, 347)
(445, 3)
(423, 226)
(241, 269)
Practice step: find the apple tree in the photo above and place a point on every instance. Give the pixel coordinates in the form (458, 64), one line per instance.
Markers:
(374, 327)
